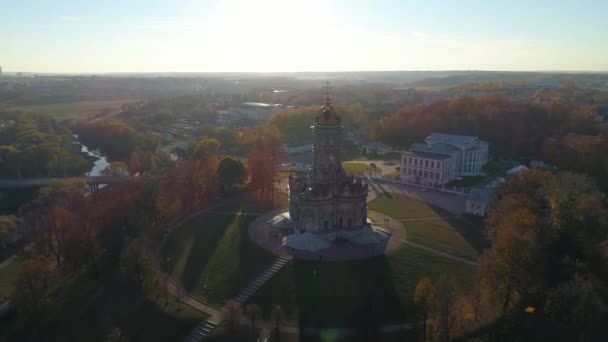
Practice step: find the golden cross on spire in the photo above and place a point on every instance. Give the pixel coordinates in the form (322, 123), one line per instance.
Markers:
(328, 88)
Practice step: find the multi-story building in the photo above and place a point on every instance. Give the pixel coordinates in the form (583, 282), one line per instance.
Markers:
(425, 168)
(469, 154)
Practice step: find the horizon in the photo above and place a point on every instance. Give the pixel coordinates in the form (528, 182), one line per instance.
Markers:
(272, 36)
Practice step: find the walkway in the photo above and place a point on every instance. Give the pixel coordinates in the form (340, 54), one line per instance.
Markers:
(442, 253)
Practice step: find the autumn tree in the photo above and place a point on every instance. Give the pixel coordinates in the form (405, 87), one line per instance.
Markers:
(231, 173)
(8, 224)
(424, 298)
(31, 285)
(263, 159)
(254, 314)
(446, 292)
(204, 148)
(233, 312)
(138, 262)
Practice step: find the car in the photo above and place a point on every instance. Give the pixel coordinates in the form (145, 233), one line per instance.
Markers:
(372, 164)
(424, 190)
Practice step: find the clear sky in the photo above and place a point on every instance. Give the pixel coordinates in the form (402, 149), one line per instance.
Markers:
(310, 35)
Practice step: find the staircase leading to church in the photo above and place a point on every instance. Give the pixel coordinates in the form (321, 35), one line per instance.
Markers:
(206, 327)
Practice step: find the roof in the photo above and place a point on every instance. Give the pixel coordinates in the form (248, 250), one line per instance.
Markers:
(480, 195)
(427, 155)
(452, 139)
(327, 115)
(517, 169)
(440, 148)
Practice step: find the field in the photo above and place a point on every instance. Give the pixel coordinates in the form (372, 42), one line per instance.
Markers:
(213, 258)
(74, 110)
(348, 294)
(403, 207)
(360, 169)
(431, 226)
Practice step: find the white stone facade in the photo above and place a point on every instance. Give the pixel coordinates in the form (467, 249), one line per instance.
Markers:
(427, 168)
(469, 154)
(327, 199)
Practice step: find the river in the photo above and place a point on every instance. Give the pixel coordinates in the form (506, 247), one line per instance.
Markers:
(99, 165)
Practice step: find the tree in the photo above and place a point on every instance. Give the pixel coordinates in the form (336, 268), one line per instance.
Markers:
(446, 291)
(577, 310)
(424, 298)
(138, 262)
(116, 168)
(8, 223)
(254, 313)
(277, 318)
(233, 313)
(231, 173)
(31, 285)
(204, 148)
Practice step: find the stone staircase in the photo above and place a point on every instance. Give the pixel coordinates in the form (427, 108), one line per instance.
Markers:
(202, 330)
(205, 328)
(251, 289)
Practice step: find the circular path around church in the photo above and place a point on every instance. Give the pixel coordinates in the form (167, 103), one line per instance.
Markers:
(271, 239)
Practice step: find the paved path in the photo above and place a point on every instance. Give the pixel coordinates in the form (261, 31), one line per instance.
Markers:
(442, 253)
(426, 218)
(8, 261)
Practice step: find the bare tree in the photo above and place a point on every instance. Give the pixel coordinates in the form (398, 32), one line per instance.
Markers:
(254, 313)
(233, 312)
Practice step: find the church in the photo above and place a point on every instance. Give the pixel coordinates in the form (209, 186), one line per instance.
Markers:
(327, 199)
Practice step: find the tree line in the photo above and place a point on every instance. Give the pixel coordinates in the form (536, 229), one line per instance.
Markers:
(545, 276)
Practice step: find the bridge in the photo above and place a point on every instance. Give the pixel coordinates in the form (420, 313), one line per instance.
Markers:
(93, 181)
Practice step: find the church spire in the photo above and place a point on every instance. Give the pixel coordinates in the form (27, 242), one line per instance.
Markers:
(328, 88)
(327, 112)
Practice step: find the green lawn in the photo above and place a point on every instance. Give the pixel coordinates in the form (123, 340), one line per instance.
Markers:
(8, 274)
(250, 202)
(359, 169)
(401, 206)
(213, 250)
(77, 110)
(453, 235)
(347, 293)
(441, 235)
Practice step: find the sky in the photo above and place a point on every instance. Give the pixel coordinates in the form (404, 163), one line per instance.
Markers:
(82, 36)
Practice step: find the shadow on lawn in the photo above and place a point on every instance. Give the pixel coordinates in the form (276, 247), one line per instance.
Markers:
(470, 229)
(357, 294)
(206, 238)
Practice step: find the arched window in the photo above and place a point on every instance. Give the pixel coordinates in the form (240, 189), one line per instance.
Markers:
(340, 222)
(326, 225)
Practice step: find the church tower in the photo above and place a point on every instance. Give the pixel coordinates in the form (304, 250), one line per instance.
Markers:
(327, 144)
(327, 199)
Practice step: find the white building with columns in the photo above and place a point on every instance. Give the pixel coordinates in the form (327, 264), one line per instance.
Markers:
(425, 168)
(469, 154)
